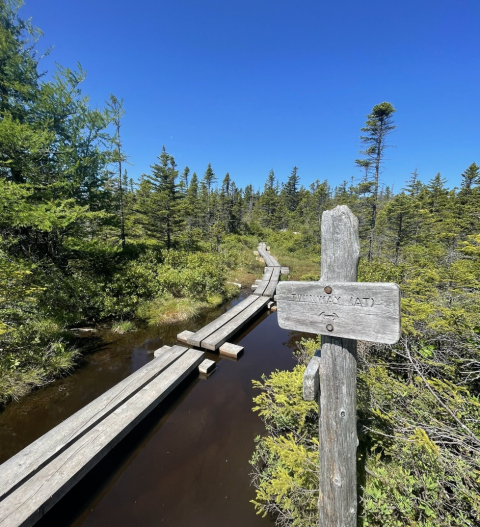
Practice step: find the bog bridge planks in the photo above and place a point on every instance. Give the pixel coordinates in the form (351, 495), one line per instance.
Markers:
(36, 478)
(214, 335)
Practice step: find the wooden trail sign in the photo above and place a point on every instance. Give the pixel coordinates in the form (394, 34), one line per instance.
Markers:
(362, 311)
(342, 311)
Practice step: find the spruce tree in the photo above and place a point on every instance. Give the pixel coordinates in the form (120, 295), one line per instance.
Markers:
(291, 190)
(160, 205)
(226, 203)
(471, 176)
(378, 126)
(116, 108)
(208, 180)
(269, 201)
(183, 186)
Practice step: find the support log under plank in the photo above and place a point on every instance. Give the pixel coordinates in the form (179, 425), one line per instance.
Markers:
(196, 338)
(215, 340)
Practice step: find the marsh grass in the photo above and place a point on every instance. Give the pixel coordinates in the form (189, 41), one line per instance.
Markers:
(301, 267)
(169, 310)
(58, 360)
(123, 326)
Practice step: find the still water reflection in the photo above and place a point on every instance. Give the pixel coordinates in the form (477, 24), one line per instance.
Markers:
(187, 462)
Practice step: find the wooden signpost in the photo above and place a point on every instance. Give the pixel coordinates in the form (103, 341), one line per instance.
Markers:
(342, 311)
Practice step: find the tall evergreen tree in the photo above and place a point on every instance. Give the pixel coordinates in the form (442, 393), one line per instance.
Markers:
(183, 186)
(226, 203)
(291, 190)
(269, 201)
(18, 62)
(414, 185)
(160, 206)
(378, 126)
(471, 176)
(208, 180)
(116, 108)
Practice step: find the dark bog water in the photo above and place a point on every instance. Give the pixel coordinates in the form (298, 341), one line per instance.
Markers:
(187, 462)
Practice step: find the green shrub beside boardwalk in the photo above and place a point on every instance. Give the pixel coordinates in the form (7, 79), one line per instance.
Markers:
(418, 406)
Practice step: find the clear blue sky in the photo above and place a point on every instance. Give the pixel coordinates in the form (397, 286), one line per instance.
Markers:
(254, 85)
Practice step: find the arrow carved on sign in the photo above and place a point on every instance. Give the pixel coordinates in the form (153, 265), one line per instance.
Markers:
(325, 315)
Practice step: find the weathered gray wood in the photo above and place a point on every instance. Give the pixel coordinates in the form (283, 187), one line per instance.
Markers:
(196, 338)
(38, 494)
(338, 382)
(311, 378)
(230, 350)
(184, 336)
(161, 351)
(270, 261)
(207, 366)
(285, 270)
(270, 290)
(215, 340)
(267, 275)
(362, 311)
(23, 465)
(260, 289)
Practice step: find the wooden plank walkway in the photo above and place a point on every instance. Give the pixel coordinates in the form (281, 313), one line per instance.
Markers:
(197, 338)
(215, 340)
(270, 261)
(213, 335)
(32, 481)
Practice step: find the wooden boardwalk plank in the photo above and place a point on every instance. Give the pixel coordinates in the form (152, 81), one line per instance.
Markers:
(270, 290)
(215, 340)
(270, 261)
(267, 275)
(37, 495)
(36, 455)
(196, 338)
(260, 289)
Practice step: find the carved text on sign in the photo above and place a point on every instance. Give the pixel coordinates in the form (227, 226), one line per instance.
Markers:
(355, 310)
(331, 299)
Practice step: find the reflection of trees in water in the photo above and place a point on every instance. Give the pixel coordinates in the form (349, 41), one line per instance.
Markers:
(294, 337)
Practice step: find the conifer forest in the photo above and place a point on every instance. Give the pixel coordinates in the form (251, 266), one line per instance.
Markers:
(83, 244)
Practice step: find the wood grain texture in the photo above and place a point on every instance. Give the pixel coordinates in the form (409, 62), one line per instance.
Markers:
(270, 261)
(161, 351)
(260, 289)
(15, 471)
(184, 335)
(38, 494)
(362, 311)
(272, 286)
(311, 378)
(207, 366)
(215, 340)
(197, 338)
(267, 273)
(230, 350)
(338, 382)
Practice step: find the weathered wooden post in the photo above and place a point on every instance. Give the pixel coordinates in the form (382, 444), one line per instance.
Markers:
(342, 311)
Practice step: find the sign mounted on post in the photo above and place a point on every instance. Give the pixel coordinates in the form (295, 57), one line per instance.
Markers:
(353, 310)
(342, 311)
